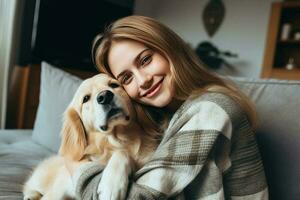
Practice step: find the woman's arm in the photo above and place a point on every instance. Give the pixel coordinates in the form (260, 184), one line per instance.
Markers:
(194, 157)
(175, 164)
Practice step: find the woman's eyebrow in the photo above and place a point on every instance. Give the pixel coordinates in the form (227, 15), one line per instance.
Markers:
(135, 61)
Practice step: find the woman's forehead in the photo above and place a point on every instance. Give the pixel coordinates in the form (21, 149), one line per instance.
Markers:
(123, 53)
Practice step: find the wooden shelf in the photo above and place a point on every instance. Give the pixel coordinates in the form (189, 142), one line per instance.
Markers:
(289, 42)
(279, 52)
(293, 74)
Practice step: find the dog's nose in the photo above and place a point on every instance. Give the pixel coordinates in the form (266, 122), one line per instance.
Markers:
(105, 97)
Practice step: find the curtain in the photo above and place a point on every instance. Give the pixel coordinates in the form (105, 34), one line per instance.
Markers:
(8, 14)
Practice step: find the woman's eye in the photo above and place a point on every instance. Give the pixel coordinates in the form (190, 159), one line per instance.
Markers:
(146, 60)
(113, 85)
(126, 79)
(86, 98)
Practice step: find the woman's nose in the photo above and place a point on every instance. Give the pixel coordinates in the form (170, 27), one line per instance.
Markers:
(144, 80)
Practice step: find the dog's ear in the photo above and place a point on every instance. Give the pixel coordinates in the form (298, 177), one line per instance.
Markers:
(73, 136)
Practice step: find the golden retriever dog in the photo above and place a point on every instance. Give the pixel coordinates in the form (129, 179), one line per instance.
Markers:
(99, 125)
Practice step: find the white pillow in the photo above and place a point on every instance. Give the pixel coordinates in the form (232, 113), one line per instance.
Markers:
(56, 92)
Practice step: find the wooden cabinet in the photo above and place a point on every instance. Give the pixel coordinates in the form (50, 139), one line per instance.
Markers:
(282, 51)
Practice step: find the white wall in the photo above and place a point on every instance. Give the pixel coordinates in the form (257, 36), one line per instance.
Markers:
(243, 31)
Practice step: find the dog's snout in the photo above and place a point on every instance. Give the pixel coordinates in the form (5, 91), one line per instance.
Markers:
(105, 97)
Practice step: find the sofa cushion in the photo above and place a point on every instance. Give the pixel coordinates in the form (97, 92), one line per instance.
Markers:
(56, 92)
(277, 103)
(18, 156)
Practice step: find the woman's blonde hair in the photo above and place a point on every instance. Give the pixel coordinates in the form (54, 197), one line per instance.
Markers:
(190, 77)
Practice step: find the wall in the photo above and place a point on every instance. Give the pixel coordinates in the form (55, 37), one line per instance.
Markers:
(243, 30)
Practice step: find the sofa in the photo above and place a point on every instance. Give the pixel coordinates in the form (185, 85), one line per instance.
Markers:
(278, 135)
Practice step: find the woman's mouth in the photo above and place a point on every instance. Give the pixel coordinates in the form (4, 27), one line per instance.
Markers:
(154, 90)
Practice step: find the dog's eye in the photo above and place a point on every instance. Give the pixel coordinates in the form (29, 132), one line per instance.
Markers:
(86, 98)
(113, 85)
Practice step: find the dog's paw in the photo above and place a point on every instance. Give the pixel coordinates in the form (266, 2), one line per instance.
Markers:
(113, 185)
(33, 195)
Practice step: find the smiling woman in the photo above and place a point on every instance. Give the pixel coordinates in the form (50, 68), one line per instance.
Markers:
(208, 150)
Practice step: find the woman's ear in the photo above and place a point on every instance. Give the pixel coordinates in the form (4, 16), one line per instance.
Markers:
(73, 135)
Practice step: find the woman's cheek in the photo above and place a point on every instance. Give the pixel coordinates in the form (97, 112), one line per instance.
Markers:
(131, 91)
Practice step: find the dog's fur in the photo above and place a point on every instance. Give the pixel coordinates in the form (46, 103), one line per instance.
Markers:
(96, 129)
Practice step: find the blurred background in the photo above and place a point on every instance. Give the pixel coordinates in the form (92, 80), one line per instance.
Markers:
(230, 36)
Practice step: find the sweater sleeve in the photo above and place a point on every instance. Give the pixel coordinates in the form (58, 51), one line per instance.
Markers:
(86, 179)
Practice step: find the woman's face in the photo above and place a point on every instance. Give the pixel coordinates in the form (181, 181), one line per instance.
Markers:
(144, 73)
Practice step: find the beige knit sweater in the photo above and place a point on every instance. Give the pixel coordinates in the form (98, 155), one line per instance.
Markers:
(208, 152)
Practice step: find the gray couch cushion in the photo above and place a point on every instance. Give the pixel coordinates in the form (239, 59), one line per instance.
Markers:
(279, 132)
(56, 92)
(18, 155)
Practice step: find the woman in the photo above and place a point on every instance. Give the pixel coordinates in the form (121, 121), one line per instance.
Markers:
(208, 149)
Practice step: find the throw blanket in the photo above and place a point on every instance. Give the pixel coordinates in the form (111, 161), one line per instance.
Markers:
(208, 152)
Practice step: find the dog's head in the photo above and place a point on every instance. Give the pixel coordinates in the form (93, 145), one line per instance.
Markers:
(102, 104)
(99, 105)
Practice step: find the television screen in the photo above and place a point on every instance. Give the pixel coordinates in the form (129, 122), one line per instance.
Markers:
(63, 30)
